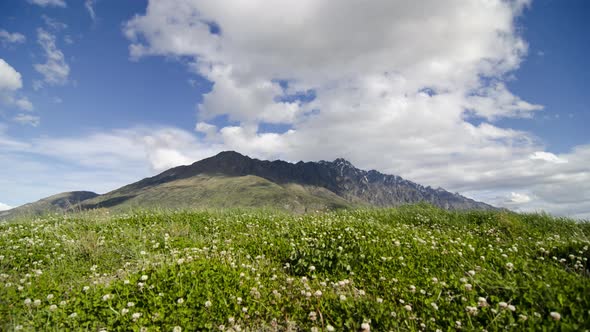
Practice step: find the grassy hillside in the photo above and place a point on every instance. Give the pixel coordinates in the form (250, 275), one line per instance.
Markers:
(219, 191)
(58, 203)
(407, 269)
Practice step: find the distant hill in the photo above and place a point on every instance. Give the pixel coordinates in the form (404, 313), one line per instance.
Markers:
(56, 203)
(230, 179)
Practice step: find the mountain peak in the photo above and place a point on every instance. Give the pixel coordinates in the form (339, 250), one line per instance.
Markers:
(342, 162)
(229, 154)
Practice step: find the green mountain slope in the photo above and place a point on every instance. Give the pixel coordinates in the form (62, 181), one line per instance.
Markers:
(59, 203)
(220, 191)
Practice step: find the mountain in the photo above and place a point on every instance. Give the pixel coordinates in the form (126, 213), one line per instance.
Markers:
(230, 179)
(56, 203)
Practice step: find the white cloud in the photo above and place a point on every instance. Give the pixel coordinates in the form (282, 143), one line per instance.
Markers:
(4, 207)
(7, 38)
(55, 70)
(27, 119)
(45, 3)
(10, 83)
(89, 5)
(10, 79)
(548, 157)
(395, 87)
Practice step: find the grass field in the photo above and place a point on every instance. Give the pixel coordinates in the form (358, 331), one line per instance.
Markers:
(407, 269)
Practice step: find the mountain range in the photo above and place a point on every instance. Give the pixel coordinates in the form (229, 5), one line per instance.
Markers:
(230, 179)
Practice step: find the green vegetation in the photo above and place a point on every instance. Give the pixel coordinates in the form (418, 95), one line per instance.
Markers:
(405, 269)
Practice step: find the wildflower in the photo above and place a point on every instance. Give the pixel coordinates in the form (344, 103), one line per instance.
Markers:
(62, 303)
(49, 297)
(136, 316)
(312, 316)
(330, 328)
(471, 272)
(408, 307)
(468, 287)
(244, 309)
(471, 310)
(53, 307)
(124, 311)
(177, 329)
(107, 297)
(144, 277)
(130, 304)
(73, 315)
(412, 288)
(522, 317)
(318, 293)
(312, 268)
(482, 302)
(180, 300)
(555, 315)
(18, 327)
(509, 266)
(28, 302)
(366, 327)
(208, 304)
(86, 288)
(434, 305)
(511, 307)
(231, 320)
(434, 280)
(379, 300)
(37, 303)
(503, 305)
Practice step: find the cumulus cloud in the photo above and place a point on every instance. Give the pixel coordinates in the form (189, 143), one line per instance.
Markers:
(395, 88)
(10, 83)
(55, 70)
(7, 38)
(4, 207)
(46, 3)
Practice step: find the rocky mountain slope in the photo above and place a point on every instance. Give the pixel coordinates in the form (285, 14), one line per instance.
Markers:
(230, 179)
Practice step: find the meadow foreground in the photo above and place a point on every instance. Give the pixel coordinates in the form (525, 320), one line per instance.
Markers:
(409, 269)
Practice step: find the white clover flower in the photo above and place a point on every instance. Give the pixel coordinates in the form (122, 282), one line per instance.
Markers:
(124, 311)
(144, 277)
(208, 304)
(62, 303)
(468, 287)
(107, 297)
(511, 307)
(482, 302)
(318, 293)
(53, 307)
(312, 315)
(312, 268)
(314, 329)
(434, 305)
(231, 320)
(434, 280)
(366, 327)
(342, 297)
(361, 292)
(330, 328)
(379, 300)
(522, 317)
(244, 309)
(28, 301)
(555, 315)
(130, 304)
(239, 299)
(142, 252)
(503, 305)
(408, 307)
(37, 303)
(509, 266)
(177, 329)
(180, 300)
(412, 288)
(136, 316)
(471, 272)
(86, 288)
(471, 310)
(73, 315)
(50, 297)
(18, 327)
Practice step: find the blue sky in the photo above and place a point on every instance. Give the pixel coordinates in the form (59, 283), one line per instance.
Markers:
(488, 101)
